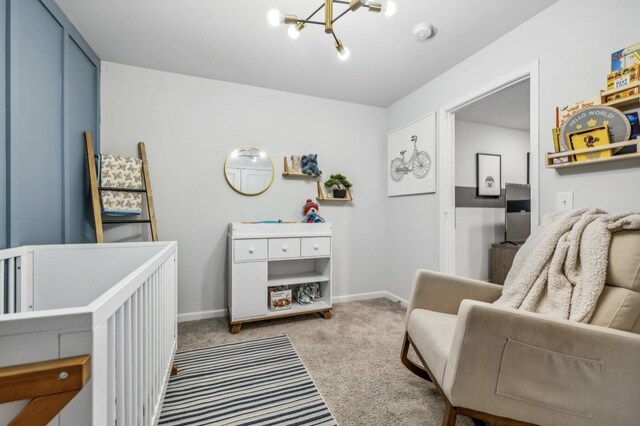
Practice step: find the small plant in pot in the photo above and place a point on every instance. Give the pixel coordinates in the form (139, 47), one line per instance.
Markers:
(341, 183)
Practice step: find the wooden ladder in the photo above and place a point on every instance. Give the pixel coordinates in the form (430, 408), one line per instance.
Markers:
(95, 192)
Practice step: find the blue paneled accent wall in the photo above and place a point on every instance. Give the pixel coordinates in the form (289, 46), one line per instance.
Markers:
(52, 88)
(3, 124)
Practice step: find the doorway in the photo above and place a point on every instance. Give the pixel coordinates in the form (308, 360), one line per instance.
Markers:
(499, 119)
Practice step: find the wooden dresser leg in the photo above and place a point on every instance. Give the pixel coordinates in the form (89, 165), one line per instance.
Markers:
(174, 369)
(450, 415)
(326, 314)
(235, 328)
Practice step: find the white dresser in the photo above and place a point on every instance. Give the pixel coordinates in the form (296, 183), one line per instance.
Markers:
(268, 255)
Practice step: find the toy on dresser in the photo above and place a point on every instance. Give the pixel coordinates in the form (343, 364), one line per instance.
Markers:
(310, 211)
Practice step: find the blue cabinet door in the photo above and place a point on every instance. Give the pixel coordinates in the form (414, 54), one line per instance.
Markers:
(52, 97)
(81, 97)
(4, 178)
(36, 52)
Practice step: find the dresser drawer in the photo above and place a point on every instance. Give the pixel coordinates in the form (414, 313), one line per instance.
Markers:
(284, 248)
(313, 247)
(250, 250)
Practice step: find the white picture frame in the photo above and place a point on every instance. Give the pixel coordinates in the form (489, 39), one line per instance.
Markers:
(411, 158)
(488, 175)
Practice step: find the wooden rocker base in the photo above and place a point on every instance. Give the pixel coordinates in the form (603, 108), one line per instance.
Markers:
(450, 412)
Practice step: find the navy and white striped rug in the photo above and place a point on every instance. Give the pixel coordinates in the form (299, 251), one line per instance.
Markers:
(260, 382)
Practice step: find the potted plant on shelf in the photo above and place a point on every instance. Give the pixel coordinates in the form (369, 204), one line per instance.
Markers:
(339, 181)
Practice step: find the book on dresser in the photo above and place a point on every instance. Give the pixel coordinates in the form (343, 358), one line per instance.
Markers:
(283, 255)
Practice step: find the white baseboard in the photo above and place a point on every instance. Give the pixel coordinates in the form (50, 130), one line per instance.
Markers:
(395, 298)
(359, 296)
(192, 316)
(219, 313)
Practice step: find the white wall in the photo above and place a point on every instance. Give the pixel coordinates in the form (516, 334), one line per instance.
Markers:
(472, 138)
(568, 73)
(478, 228)
(190, 125)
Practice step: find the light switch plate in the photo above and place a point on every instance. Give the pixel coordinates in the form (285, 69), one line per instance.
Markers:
(564, 201)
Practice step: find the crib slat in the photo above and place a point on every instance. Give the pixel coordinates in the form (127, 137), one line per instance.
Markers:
(156, 348)
(138, 365)
(120, 371)
(11, 281)
(133, 330)
(111, 371)
(145, 354)
(128, 402)
(161, 322)
(140, 374)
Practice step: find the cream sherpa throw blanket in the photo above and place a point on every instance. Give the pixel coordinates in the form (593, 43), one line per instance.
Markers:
(561, 269)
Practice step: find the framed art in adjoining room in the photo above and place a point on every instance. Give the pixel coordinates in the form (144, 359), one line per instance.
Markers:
(412, 158)
(488, 174)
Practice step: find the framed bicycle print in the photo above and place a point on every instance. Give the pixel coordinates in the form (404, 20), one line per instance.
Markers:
(412, 158)
(488, 174)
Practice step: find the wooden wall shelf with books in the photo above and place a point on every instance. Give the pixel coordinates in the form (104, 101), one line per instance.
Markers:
(322, 197)
(549, 156)
(622, 104)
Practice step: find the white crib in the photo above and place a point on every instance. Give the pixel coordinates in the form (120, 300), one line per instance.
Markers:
(115, 302)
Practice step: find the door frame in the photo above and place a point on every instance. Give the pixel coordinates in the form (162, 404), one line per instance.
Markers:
(446, 148)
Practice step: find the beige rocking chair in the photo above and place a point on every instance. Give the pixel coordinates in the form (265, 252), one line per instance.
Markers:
(511, 367)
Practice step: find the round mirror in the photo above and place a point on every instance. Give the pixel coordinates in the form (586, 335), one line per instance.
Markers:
(249, 170)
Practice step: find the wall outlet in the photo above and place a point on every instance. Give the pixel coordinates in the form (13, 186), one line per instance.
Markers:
(564, 201)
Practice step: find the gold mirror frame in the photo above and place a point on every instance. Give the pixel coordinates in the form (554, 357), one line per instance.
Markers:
(237, 153)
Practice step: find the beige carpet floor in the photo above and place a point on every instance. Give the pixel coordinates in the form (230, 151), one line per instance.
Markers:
(354, 358)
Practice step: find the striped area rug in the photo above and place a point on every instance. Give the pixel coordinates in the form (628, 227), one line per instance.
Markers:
(260, 382)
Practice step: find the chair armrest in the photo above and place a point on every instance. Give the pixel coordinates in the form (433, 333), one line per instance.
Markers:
(443, 293)
(542, 370)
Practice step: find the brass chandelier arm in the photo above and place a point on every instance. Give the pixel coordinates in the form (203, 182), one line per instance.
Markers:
(306, 21)
(341, 15)
(373, 8)
(313, 14)
(328, 16)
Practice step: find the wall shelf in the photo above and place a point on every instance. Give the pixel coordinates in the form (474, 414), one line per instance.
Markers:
(622, 104)
(323, 197)
(549, 156)
(290, 173)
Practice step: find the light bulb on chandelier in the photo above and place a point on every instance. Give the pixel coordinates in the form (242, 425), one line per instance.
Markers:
(274, 17)
(389, 8)
(343, 52)
(294, 30)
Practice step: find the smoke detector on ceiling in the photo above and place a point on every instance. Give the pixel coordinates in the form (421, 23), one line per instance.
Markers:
(423, 31)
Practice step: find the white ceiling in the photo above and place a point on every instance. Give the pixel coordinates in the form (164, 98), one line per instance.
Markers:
(232, 41)
(507, 108)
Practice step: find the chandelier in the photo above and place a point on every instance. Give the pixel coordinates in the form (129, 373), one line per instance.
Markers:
(276, 18)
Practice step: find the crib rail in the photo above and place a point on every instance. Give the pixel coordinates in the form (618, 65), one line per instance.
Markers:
(16, 280)
(130, 330)
(140, 343)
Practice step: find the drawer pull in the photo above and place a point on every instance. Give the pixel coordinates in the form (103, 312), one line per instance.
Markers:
(316, 247)
(251, 249)
(284, 248)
